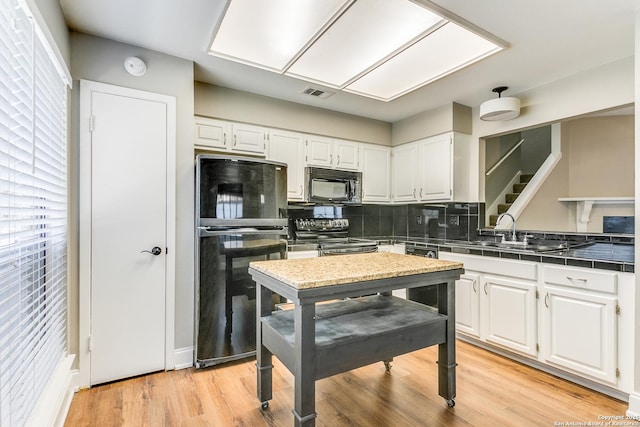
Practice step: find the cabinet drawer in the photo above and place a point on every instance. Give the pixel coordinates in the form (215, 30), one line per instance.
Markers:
(581, 278)
(504, 267)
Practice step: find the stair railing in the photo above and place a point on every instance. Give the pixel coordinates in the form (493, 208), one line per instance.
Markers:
(503, 158)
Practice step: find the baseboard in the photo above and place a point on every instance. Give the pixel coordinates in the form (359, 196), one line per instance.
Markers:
(52, 407)
(183, 358)
(633, 413)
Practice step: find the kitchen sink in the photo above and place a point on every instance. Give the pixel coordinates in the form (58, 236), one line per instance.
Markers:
(534, 246)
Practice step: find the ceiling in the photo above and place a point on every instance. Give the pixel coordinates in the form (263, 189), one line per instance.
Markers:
(549, 40)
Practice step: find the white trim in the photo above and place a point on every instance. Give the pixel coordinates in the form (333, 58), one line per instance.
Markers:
(634, 406)
(43, 31)
(538, 179)
(183, 358)
(53, 405)
(84, 297)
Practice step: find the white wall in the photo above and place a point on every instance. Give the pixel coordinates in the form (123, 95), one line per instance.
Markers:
(602, 88)
(101, 60)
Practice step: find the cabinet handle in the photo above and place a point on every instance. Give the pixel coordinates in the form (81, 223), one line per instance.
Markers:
(330, 158)
(473, 285)
(421, 193)
(485, 289)
(224, 139)
(576, 279)
(414, 193)
(338, 160)
(235, 140)
(301, 190)
(546, 300)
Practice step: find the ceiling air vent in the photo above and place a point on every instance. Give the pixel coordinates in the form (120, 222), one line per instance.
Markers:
(318, 93)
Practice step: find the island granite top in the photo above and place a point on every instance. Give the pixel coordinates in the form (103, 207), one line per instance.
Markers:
(341, 269)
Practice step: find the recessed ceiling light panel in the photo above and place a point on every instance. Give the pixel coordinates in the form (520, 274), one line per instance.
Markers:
(366, 34)
(269, 34)
(446, 50)
(382, 49)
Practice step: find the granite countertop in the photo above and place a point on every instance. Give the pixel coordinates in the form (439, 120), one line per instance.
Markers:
(337, 270)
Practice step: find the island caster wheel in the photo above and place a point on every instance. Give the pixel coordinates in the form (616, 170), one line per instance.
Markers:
(451, 403)
(264, 406)
(387, 366)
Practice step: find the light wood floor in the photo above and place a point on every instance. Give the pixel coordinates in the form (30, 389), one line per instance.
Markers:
(491, 391)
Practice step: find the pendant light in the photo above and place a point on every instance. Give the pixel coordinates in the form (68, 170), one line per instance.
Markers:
(500, 108)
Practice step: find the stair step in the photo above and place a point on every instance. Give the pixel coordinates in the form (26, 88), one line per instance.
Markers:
(492, 220)
(524, 178)
(517, 188)
(503, 207)
(511, 197)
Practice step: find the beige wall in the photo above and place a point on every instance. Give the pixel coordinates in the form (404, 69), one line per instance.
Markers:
(597, 161)
(229, 104)
(447, 118)
(101, 60)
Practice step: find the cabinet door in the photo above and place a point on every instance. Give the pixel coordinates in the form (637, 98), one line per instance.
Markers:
(212, 133)
(580, 332)
(288, 147)
(319, 151)
(403, 170)
(376, 176)
(346, 155)
(436, 168)
(468, 304)
(249, 138)
(510, 314)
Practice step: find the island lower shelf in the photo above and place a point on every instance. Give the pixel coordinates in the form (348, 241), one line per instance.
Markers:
(357, 332)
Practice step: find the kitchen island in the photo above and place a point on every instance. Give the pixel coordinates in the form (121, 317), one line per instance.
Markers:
(348, 331)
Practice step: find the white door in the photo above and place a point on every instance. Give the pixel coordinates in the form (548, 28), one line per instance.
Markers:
(128, 234)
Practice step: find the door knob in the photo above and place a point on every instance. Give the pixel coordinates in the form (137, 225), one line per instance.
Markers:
(154, 251)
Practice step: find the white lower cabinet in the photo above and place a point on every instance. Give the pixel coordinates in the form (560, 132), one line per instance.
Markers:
(509, 306)
(580, 321)
(576, 320)
(496, 301)
(468, 304)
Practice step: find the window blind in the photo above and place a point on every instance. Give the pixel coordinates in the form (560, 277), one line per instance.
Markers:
(33, 213)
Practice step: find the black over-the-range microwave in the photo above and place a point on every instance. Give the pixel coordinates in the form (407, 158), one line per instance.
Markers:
(333, 186)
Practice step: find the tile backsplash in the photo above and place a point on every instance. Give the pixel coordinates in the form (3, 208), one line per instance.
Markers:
(457, 221)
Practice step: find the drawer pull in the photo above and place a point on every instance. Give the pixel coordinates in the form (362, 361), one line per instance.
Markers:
(576, 279)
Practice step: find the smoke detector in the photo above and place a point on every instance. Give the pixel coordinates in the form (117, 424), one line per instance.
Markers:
(500, 108)
(318, 93)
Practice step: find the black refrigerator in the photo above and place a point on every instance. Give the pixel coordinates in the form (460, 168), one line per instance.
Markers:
(241, 216)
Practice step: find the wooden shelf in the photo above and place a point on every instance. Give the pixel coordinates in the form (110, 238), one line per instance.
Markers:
(585, 205)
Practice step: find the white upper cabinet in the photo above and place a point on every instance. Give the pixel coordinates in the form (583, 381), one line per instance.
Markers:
(212, 133)
(432, 169)
(331, 153)
(435, 168)
(249, 138)
(288, 147)
(376, 173)
(218, 135)
(404, 161)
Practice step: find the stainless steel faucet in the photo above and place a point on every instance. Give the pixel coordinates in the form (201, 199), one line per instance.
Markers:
(514, 238)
